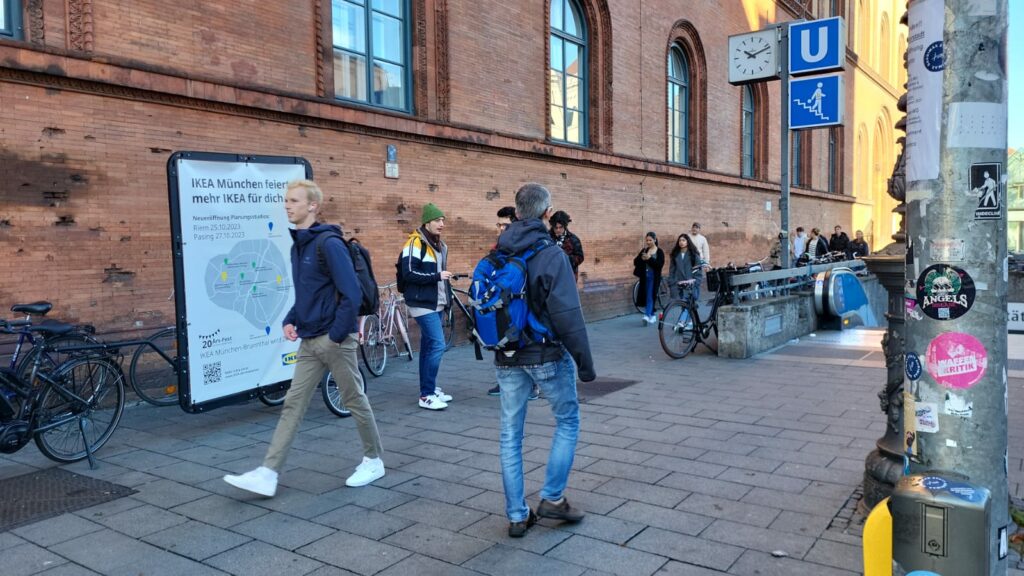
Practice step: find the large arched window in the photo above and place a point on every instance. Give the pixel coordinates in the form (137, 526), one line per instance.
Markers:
(568, 73)
(795, 156)
(749, 141)
(884, 57)
(371, 52)
(678, 106)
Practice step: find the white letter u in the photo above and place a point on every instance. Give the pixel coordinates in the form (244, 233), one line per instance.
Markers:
(805, 45)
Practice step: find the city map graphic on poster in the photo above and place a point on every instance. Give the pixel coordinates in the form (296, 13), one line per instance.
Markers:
(985, 187)
(233, 280)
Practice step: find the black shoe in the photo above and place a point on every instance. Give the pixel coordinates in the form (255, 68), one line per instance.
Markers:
(496, 391)
(518, 529)
(534, 393)
(561, 511)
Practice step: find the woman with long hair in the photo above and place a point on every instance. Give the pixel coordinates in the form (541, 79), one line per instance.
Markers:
(684, 264)
(647, 267)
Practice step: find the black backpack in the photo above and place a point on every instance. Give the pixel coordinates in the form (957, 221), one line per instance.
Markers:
(363, 266)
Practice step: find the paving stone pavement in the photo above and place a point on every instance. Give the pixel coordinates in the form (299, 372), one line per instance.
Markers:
(705, 466)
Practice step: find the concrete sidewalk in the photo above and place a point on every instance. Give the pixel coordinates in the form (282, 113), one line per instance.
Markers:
(702, 466)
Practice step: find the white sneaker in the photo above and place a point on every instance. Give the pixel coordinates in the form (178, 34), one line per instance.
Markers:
(442, 396)
(654, 318)
(432, 402)
(371, 469)
(262, 481)
(646, 319)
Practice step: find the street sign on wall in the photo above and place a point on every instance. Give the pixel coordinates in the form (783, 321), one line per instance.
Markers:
(817, 46)
(816, 102)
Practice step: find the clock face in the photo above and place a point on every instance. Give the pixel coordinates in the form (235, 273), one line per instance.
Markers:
(752, 56)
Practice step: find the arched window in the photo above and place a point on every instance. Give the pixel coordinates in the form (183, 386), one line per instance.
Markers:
(371, 52)
(10, 19)
(884, 57)
(901, 68)
(749, 160)
(864, 24)
(678, 106)
(568, 73)
(833, 151)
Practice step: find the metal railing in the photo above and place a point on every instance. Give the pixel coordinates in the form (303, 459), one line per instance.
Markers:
(754, 285)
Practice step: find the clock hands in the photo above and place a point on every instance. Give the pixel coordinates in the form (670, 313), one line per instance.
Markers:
(753, 54)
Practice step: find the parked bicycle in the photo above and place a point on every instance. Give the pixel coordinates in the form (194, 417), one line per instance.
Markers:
(680, 325)
(29, 344)
(328, 389)
(661, 298)
(378, 331)
(71, 410)
(449, 320)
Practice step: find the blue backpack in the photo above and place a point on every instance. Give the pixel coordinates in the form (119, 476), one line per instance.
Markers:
(501, 315)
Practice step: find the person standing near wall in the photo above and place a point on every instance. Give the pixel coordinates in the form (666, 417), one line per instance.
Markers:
(425, 278)
(569, 242)
(647, 266)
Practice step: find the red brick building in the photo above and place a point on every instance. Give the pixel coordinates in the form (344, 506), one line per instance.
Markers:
(478, 97)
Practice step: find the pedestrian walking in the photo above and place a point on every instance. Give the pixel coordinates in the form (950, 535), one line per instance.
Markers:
(647, 266)
(425, 280)
(839, 241)
(701, 242)
(799, 244)
(569, 242)
(816, 245)
(859, 246)
(327, 297)
(682, 261)
(552, 364)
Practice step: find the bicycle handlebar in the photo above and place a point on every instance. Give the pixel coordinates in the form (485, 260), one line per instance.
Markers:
(459, 276)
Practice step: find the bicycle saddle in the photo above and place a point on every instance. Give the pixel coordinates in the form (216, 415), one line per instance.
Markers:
(40, 308)
(51, 328)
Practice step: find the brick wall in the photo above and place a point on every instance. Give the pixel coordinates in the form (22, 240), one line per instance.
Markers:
(86, 136)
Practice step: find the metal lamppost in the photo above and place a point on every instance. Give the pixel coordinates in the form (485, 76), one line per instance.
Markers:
(884, 465)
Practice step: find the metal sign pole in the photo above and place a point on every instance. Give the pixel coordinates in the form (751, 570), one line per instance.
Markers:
(784, 137)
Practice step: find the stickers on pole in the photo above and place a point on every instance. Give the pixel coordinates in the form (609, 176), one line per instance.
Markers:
(945, 292)
(985, 187)
(927, 417)
(946, 250)
(956, 360)
(913, 366)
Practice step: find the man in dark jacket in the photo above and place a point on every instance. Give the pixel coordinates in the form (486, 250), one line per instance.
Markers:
(839, 242)
(553, 298)
(569, 242)
(427, 289)
(327, 326)
(858, 246)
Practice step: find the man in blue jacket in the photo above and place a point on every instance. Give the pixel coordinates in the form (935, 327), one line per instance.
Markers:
(327, 297)
(553, 365)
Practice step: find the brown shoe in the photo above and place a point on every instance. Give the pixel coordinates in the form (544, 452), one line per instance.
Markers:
(561, 511)
(518, 529)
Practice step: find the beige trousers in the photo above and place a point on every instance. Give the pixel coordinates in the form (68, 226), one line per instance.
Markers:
(316, 356)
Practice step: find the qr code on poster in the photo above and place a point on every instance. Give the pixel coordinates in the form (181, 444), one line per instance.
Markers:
(211, 373)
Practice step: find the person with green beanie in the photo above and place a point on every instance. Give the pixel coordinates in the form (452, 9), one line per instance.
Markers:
(423, 274)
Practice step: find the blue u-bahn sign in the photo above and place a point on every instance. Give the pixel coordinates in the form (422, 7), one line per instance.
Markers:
(816, 46)
(816, 101)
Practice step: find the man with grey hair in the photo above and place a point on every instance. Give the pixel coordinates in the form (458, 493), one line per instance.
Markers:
(551, 363)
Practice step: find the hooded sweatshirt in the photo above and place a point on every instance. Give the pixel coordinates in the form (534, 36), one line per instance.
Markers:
(552, 296)
(318, 309)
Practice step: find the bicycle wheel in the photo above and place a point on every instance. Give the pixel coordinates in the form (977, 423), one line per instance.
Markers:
(154, 377)
(332, 395)
(636, 297)
(403, 331)
(65, 427)
(448, 326)
(52, 358)
(373, 349)
(675, 330)
(664, 297)
(273, 398)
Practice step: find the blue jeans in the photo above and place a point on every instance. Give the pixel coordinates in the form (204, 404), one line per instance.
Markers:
(557, 380)
(431, 351)
(649, 309)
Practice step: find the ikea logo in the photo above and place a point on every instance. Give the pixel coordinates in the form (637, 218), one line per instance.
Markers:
(289, 358)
